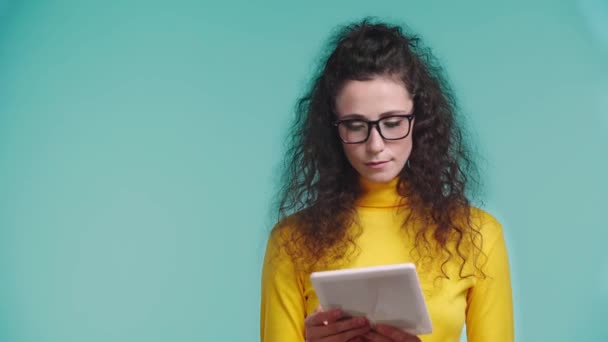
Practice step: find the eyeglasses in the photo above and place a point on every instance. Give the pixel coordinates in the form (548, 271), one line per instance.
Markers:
(356, 131)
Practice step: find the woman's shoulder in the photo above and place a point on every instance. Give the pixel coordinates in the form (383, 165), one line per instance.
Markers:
(285, 225)
(486, 225)
(283, 232)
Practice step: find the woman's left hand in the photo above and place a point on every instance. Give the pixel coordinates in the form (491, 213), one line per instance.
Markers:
(386, 333)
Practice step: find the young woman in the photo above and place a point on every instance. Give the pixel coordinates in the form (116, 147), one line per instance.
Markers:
(378, 173)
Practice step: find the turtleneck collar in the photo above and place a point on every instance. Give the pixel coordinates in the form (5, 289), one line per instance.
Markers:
(379, 195)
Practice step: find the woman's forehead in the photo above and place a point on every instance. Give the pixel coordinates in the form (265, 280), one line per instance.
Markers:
(373, 97)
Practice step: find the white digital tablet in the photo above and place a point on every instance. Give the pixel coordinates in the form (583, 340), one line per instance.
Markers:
(387, 294)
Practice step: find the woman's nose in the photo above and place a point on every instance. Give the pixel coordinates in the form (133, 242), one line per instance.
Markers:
(375, 142)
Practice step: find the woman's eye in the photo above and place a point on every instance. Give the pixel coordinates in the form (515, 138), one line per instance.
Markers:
(393, 123)
(355, 125)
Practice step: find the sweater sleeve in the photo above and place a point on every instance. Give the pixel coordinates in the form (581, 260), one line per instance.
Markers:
(489, 315)
(283, 310)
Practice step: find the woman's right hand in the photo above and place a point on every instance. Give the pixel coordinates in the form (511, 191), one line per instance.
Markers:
(332, 326)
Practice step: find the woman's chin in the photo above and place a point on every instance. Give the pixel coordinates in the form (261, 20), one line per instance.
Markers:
(379, 177)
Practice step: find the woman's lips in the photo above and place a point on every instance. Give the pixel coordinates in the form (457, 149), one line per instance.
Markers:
(376, 165)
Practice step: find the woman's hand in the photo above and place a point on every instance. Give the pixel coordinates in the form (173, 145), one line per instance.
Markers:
(332, 326)
(386, 333)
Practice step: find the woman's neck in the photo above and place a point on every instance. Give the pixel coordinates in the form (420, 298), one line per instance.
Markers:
(379, 195)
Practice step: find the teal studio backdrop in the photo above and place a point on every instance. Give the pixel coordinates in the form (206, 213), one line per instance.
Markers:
(140, 143)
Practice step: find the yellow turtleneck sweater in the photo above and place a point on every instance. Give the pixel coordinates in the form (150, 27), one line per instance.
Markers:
(483, 303)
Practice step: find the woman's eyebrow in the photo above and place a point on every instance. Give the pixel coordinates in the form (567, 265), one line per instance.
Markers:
(394, 112)
(353, 116)
(363, 117)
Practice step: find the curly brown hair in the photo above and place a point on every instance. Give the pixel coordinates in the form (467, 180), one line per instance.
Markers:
(317, 199)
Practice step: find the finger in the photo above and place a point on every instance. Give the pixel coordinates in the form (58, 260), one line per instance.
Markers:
(395, 334)
(347, 324)
(347, 328)
(375, 337)
(323, 318)
(350, 335)
(359, 338)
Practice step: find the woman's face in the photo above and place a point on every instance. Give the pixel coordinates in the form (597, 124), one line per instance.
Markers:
(377, 159)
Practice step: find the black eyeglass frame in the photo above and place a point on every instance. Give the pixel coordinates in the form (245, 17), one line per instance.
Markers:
(371, 123)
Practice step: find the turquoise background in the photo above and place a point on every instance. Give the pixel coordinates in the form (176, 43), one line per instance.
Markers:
(139, 144)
